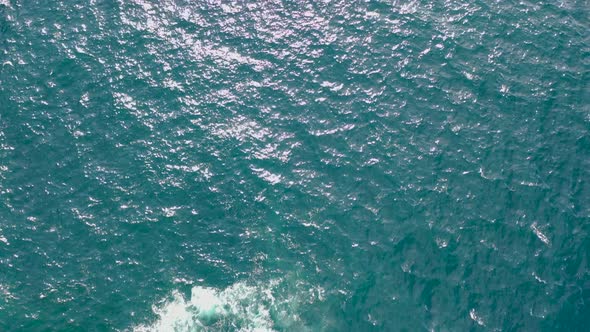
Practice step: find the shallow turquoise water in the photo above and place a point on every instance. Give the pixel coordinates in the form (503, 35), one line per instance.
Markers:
(294, 165)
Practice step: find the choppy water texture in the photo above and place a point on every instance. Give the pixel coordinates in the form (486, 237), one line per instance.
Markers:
(294, 165)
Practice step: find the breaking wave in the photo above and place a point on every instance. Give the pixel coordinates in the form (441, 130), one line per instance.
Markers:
(243, 307)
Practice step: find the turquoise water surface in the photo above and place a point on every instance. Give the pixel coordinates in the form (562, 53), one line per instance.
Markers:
(282, 165)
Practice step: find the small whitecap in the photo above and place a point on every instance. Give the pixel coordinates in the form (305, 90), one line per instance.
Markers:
(538, 278)
(540, 234)
(426, 51)
(372, 15)
(475, 317)
(268, 176)
(170, 211)
(442, 243)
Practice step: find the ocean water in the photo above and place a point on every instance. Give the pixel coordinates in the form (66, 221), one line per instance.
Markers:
(282, 165)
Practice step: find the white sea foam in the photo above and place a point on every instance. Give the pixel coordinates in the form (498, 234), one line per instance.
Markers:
(239, 307)
(540, 234)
